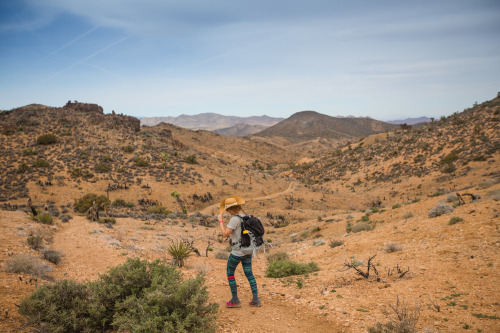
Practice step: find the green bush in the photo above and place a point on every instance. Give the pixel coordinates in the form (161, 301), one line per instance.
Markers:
(191, 159)
(137, 296)
(29, 152)
(451, 157)
(122, 203)
(283, 268)
(40, 163)
(35, 242)
(159, 210)
(103, 167)
(23, 167)
(141, 162)
(179, 252)
(43, 218)
(280, 255)
(52, 256)
(84, 203)
(46, 139)
(362, 226)
(335, 243)
(110, 220)
(455, 219)
(76, 172)
(128, 149)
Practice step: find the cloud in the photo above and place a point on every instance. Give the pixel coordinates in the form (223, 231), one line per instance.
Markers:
(86, 59)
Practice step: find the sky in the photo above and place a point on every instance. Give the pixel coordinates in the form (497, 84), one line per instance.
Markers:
(384, 59)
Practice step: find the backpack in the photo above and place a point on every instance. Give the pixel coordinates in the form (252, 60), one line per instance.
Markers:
(252, 231)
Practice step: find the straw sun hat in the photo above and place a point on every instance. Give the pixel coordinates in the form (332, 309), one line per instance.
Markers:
(231, 201)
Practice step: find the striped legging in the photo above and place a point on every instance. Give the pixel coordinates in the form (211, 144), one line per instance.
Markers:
(232, 263)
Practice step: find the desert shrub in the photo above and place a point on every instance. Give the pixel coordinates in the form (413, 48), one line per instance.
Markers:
(448, 159)
(280, 255)
(110, 220)
(448, 168)
(28, 264)
(84, 203)
(191, 159)
(40, 163)
(106, 158)
(221, 255)
(392, 247)
(179, 252)
(35, 242)
(362, 226)
(335, 243)
(52, 256)
(46, 139)
(29, 152)
(118, 203)
(452, 197)
(440, 209)
(128, 149)
(318, 242)
(76, 172)
(138, 296)
(283, 268)
(102, 167)
(65, 218)
(455, 219)
(43, 218)
(408, 215)
(141, 162)
(158, 210)
(396, 206)
(23, 167)
(403, 319)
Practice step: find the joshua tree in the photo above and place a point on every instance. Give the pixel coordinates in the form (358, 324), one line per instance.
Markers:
(177, 197)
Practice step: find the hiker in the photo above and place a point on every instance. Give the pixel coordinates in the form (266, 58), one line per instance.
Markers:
(233, 229)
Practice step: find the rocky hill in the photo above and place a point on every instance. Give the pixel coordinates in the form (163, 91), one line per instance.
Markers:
(310, 125)
(448, 145)
(210, 121)
(79, 144)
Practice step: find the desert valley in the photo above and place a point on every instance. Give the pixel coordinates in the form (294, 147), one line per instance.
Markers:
(400, 222)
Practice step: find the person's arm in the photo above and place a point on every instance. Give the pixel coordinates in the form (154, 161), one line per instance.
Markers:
(225, 231)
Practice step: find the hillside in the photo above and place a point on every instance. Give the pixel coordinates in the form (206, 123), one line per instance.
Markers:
(310, 125)
(210, 121)
(447, 146)
(422, 203)
(240, 130)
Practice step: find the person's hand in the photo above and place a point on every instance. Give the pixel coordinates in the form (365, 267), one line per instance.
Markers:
(219, 217)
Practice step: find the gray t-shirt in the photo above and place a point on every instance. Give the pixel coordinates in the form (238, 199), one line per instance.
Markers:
(235, 224)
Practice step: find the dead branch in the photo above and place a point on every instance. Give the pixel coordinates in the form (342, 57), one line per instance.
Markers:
(366, 274)
(437, 307)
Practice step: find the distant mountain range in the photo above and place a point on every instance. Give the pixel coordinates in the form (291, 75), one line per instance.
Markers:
(309, 125)
(301, 126)
(411, 121)
(211, 121)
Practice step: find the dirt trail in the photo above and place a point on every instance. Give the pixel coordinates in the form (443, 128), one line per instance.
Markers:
(215, 208)
(91, 249)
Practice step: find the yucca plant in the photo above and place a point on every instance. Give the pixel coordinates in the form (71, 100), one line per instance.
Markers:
(179, 252)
